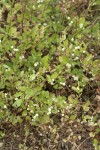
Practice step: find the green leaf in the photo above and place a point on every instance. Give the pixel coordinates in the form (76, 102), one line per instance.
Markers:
(54, 76)
(1, 114)
(18, 94)
(24, 113)
(1, 103)
(22, 88)
(60, 58)
(2, 134)
(66, 43)
(32, 77)
(95, 141)
(49, 78)
(13, 31)
(86, 106)
(17, 103)
(72, 117)
(45, 61)
(4, 1)
(82, 20)
(17, 7)
(31, 92)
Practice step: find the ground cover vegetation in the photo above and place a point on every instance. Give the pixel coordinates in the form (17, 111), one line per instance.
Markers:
(49, 75)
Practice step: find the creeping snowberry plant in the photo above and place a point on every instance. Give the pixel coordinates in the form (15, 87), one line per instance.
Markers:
(45, 62)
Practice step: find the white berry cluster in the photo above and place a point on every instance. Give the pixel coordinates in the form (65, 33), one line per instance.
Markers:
(15, 49)
(39, 1)
(68, 65)
(49, 110)
(63, 83)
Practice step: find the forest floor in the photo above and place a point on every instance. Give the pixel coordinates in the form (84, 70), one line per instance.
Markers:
(59, 135)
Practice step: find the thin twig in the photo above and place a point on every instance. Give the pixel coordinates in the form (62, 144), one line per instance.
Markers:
(83, 142)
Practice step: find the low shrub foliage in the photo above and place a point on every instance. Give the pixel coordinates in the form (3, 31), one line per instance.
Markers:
(47, 62)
